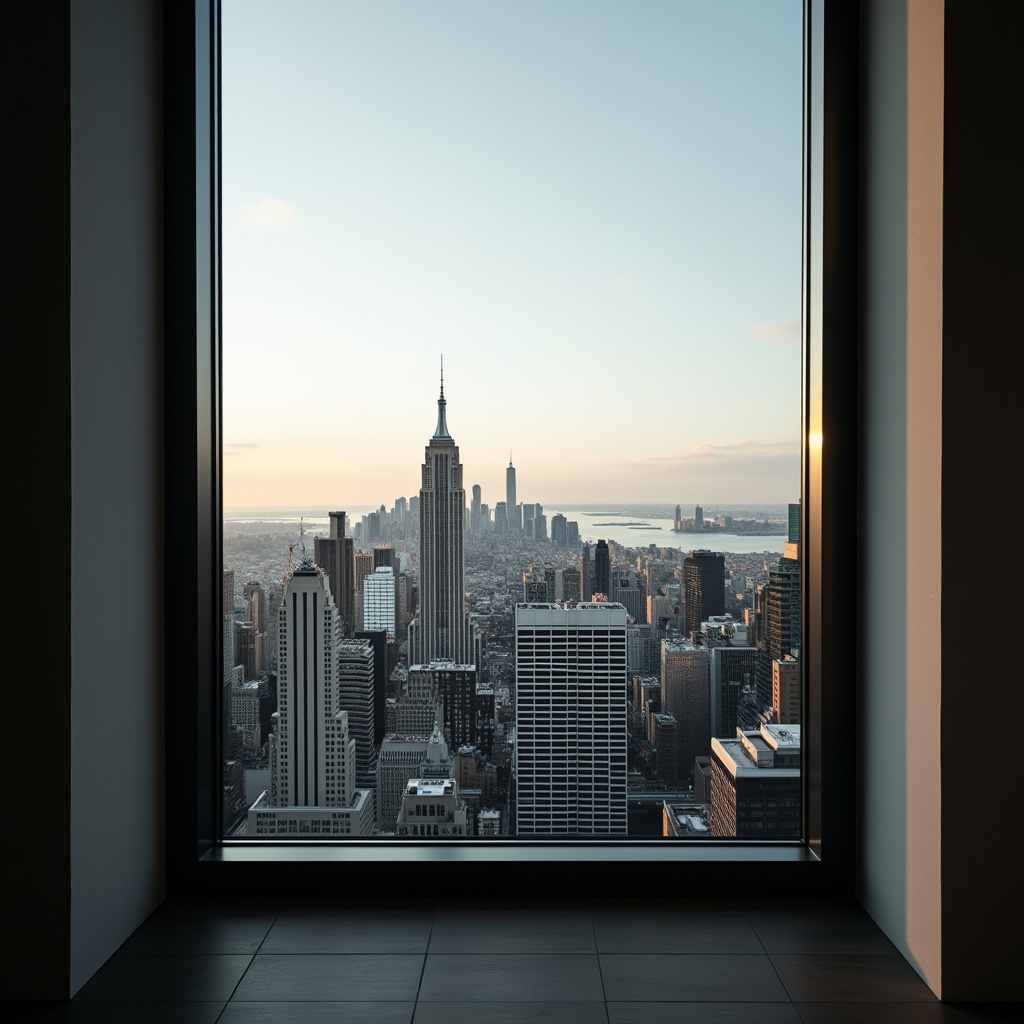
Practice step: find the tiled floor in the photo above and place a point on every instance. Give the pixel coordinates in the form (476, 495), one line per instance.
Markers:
(448, 962)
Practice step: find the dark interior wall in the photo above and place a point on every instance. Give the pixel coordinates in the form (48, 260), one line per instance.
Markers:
(982, 346)
(83, 741)
(117, 619)
(35, 69)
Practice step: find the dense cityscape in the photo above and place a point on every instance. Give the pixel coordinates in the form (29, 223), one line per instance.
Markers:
(447, 669)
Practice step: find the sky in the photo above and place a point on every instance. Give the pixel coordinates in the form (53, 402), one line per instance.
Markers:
(590, 210)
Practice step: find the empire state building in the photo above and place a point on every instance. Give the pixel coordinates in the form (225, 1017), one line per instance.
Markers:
(443, 626)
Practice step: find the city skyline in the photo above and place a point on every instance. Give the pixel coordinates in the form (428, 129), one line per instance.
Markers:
(593, 214)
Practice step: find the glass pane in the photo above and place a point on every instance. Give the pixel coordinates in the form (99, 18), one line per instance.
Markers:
(511, 419)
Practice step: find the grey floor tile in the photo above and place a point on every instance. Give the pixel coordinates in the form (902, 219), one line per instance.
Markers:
(844, 978)
(513, 931)
(674, 931)
(165, 977)
(511, 1013)
(318, 1013)
(880, 1013)
(347, 932)
(551, 977)
(75, 1012)
(328, 978)
(191, 929)
(843, 928)
(692, 977)
(702, 1013)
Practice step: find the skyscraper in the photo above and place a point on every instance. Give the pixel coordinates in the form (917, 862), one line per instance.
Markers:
(356, 696)
(474, 510)
(512, 508)
(703, 587)
(379, 600)
(570, 754)
(334, 555)
(312, 757)
(686, 695)
(602, 569)
(443, 632)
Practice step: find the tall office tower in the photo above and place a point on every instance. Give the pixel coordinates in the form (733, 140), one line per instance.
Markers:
(733, 672)
(626, 591)
(312, 756)
(686, 694)
(786, 691)
(586, 574)
(474, 511)
(572, 589)
(379, 600)
(640, 648)
(755, 783)
(679, 516)
(779, 632)
(698, 518)
(363, 566)
(559, 529)
(373, 528)
(384, 555)
(444, 624)
(245, 649)
(485, 516)
(399, 761)
(378, 640)
(666, 745)
(334, 555)
(512, 509)
(356, 696)
(570, 753)
(401, 509)
(257, 608)
(602, 569)
(540, 524)
(414, 509)
(419, 705)
(572, 533)
(703, 587)
(455, 686)
(501, 517)
(524, 515)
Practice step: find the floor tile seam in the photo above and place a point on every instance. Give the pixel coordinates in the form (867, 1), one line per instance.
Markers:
(423, 965)
(600, 972)
(252, 960)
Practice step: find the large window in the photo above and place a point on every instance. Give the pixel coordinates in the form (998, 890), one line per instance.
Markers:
(600, 225)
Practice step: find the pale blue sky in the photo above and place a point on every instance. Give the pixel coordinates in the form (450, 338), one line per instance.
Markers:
(592, 209)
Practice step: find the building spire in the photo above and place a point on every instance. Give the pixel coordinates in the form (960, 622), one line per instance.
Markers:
(441, 434)
(510, 456)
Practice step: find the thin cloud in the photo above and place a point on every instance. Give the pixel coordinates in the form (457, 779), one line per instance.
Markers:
(778, 330)
(706, 454)
(270, 213)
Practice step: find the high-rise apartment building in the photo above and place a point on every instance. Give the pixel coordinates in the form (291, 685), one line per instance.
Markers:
(570, 753)
(786, 691)
(686, 695)
(312, 757)
(703, 587)
(779, 628)
(443, 633)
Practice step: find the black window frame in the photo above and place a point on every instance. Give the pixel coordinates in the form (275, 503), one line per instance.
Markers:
(198, 859)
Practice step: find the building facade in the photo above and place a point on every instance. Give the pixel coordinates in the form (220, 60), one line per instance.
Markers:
(570, 752)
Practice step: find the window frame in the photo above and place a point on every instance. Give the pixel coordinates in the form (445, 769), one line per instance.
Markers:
(198, 860)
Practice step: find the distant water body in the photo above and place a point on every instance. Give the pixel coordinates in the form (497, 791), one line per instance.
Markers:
(596, 522)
